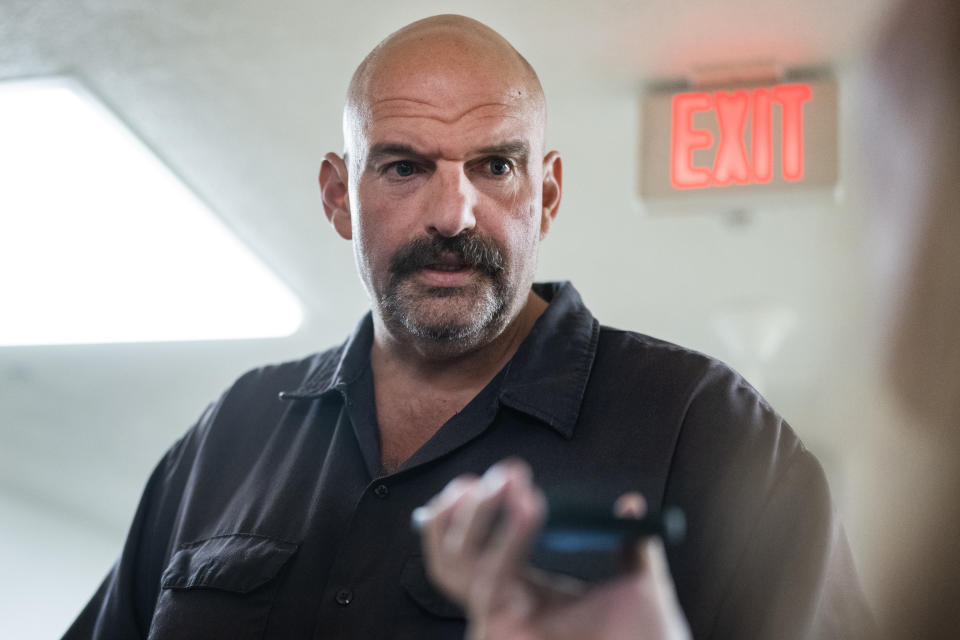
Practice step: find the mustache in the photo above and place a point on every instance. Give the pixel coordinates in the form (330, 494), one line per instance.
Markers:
(470, 248)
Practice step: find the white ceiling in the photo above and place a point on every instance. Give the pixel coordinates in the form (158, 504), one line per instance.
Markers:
(242, 100)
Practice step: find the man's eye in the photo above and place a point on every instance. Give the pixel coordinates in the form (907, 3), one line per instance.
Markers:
(403, 168)
(499, 166)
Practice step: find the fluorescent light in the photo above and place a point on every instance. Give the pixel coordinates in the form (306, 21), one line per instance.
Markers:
(100, 242)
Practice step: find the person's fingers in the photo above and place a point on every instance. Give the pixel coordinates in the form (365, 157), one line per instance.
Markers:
(656, 583)
(630, 505)
(477, 513)
(525, 508)
(648, 558)
(436, 524)
(440, 509)
(654, 560)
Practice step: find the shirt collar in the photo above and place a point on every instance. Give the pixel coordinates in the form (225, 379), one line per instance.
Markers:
(548, 375)
(546, 378)
(339, 367)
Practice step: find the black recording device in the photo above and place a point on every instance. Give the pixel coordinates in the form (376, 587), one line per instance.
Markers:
(578, 528)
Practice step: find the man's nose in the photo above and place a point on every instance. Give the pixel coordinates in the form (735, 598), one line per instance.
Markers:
(453, 198)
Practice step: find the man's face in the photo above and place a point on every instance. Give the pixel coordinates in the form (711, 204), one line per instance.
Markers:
(445, 184)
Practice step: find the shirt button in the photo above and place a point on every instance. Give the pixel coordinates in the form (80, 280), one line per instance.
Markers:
(381, 491)
(344, 597)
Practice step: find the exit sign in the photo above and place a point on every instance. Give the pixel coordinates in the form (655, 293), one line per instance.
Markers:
(736, 141)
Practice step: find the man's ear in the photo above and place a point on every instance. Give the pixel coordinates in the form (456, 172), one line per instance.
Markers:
(552, 186)
(333, 189)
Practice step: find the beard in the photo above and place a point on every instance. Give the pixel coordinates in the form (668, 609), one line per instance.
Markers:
(447, 314)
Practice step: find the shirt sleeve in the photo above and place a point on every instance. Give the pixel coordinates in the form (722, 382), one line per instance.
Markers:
(765, 555)
(795, 577)
(122, 606)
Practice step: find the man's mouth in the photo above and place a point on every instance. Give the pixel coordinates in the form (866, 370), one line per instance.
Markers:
(449, 271)
(447, 267)
(448, 264)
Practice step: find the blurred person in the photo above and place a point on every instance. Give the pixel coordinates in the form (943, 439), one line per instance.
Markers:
(289, 517)
(913, 129)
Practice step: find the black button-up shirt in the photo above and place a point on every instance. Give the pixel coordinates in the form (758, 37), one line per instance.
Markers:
(270, 518)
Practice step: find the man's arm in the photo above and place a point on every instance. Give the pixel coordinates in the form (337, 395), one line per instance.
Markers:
(765, 554)
(795, 577)
(122, 607)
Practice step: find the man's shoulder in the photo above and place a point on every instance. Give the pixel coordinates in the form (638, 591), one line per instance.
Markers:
(707, 400)
(260, 395)
(637, 356)
(634, 343)
(290, 375)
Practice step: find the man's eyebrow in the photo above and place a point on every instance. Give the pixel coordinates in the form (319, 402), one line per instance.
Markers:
(393, 149)
(384, 149)
(517, 149)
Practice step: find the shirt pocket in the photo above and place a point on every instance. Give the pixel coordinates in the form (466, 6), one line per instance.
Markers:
(425, 612)
(221, 587)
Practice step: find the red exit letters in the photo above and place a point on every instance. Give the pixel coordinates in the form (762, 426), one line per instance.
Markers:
(732, 164)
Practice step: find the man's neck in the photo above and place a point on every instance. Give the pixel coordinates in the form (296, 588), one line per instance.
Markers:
(395, 359)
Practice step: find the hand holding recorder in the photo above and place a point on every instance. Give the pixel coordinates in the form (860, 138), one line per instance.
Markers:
(476, 536)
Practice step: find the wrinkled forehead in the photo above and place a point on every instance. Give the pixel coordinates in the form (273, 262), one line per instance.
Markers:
(461, 101)
(444, 75)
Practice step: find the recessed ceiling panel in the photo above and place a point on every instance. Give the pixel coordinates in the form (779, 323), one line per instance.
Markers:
(100, 242)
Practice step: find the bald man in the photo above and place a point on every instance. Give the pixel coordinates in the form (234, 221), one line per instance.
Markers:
(283, 513)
